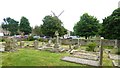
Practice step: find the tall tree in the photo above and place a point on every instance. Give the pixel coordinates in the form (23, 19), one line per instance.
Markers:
(25, 26)
(52, 24)
(111, 25)
(87, 26)
(10, 25)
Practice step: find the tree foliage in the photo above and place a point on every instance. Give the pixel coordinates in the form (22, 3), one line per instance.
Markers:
(25, 26)
(51, 25)
(87, 26)
(72, 33)
(37, 30)
(11, 25)
(111, 25)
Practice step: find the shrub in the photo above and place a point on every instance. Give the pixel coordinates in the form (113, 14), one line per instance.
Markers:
(30, 38)
(108, 47)
(2, 40)
(91, 46)
(43, 40)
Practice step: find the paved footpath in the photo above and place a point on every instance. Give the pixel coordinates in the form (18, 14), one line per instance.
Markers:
(81, 61)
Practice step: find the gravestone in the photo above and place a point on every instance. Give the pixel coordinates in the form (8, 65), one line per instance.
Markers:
(70, 46)
(14, 44)
(49, 43)
(57, 47)
(80, 61)
(116, 44)
(57, 40)
(75, 46)
(86, 55)
(10, 45)
(36, 44)
(2, 47)
(21, 44)
(45, 46)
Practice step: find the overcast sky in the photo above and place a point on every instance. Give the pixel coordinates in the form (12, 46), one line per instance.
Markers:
(36, 10)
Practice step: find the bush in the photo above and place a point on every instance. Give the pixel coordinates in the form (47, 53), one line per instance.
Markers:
(91, 46)
(43, 40)
(30, 38)
(108, 47)
(2, 40)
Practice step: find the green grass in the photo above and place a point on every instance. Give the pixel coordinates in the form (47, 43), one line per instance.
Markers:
(106, 60)
(31, 57)
(0, 59)
(108, 47)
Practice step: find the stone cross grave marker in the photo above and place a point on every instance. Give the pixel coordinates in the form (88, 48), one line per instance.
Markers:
(57, 41)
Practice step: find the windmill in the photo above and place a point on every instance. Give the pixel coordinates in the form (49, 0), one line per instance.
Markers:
(58, 15)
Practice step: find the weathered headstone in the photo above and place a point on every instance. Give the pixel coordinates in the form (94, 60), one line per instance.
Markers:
(2, 48)
(36, 44)
(80, 61)
(21, 44)
(70, 47)
(57, 47)
(10, 44)
(57, 41)
(116, 44)
(49, 43)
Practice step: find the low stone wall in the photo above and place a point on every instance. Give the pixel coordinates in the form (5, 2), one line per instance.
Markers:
(84, 42)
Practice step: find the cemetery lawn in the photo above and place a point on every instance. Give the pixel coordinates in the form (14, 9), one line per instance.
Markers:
(32, 57)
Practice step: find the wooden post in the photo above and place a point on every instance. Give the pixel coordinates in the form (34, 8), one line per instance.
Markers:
(101, 53)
